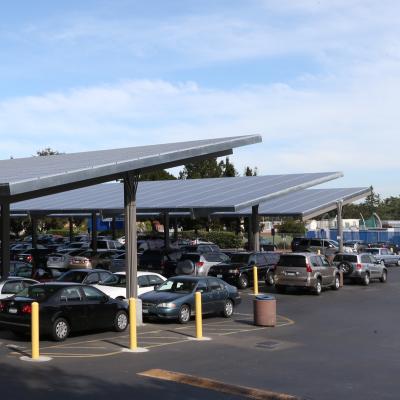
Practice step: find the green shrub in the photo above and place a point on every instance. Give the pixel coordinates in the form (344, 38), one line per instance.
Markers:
(225, 240)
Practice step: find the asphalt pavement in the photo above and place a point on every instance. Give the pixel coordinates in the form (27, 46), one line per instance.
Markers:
(340, 345)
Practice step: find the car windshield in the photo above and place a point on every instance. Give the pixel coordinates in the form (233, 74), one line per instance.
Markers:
(177, 286)
(239, 258)
(39, 293)
(115, 280)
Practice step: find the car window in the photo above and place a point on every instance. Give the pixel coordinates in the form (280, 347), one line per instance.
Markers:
(70, 294)
(104, 276)
(324, 261)
(27, 282)
(315, 261)
(12, 287)
(372, 259)
(92, 293)
(214, 248)
(177, 286)
(365, 258)
(143, 281)
(292, 261)
(315, 242)
(202, 286)
(260, 259)
(154, 280)
(92, 278)
(384, 251)
(214, 284)
(252, 259)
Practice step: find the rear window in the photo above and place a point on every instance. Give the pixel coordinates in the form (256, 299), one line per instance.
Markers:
(191, 257)
(292, 261)
(372, 251)
(345, 257)
(39, 293)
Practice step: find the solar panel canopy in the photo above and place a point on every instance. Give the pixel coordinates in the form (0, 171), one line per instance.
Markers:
(24, 178)
(206, 195)
(305, 204)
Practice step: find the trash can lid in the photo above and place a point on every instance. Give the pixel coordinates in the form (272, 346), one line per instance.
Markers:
(265, 297)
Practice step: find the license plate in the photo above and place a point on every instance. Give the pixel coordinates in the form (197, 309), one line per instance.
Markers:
(291, 273)
(219, 276)
(12, 310)
(145, 311)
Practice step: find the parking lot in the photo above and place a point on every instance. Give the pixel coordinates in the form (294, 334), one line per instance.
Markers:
(341, 344)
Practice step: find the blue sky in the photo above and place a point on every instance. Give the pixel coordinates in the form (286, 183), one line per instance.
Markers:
(319, 79)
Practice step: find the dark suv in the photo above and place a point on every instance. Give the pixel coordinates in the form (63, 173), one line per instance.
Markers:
(239, 270)
(325, 246)
(162, 261)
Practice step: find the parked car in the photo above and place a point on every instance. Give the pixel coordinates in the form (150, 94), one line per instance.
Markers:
(306, 270)
(62, 258)
(358, 246)
(206, 247)
(327, 247)
(239, 269)
(162, 261)
(360, 267)
(384, 255)
(13, 285)
(115, 285)
(21, 269)
(100, 260)
(64, 307)
(175, 298)
(87, 276)
(199, 264)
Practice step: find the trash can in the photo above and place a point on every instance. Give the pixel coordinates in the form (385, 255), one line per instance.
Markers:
(264, 307)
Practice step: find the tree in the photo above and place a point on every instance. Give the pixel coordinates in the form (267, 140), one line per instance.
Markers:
(158, 175)
(289, 225)
(47, 151)
(228, 169)
(202, 169)
(250, 172)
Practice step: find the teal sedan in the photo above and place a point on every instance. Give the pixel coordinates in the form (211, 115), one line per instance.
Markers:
(175, 298)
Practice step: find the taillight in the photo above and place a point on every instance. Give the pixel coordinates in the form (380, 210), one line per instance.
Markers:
(29, 258)
(199, 264)
(26, 309)
(2, 306)
(309, 269)
(359, 266)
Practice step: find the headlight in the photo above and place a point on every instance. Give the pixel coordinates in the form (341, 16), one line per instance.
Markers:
(167, 305)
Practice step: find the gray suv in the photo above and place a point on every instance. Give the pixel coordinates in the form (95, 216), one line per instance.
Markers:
(360, 267)
(306, 270)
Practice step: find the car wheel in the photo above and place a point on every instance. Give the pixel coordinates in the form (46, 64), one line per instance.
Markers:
(121, 321)
(228, 308)
(398, 262)
(383, 278)
(184, 314)
(336, 284)
(346, 268)
(318, 287)
(60, 329)
(280, 288)
(366, 279)
(382, 262)
(269, 279)
(243, 281)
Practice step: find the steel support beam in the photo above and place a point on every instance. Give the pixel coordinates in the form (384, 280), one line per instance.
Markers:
(250, 239)
(339, 205)
(71, 229)
(113, 234)
(166, 229)
(94, 231)
(130, 188)
(34, 231)
(255, 223)
(5, 240)
(175, 228)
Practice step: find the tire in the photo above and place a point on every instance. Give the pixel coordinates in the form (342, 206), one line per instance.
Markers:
(280, 288)
(346, 267)
(318, 287)
(269, 279)
(366, 279)
(184, 314)
(336, 284)
(243, 281)
(382, 262)
(398, 262)
(60, 330)
(121, 321)
(228, 308)
(185, 267)
(383, 278)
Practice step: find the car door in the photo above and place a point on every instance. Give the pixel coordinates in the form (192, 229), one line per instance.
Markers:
(207, 301)
(261, 264)
(73, 308)
(327, 271)
(100, 310)
(218, 294)
(370, 261)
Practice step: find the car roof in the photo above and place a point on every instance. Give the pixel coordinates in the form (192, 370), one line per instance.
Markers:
(189, 278)
(87, 270)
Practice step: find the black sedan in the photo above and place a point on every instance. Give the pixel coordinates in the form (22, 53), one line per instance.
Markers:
(175, 298)
(63, 307)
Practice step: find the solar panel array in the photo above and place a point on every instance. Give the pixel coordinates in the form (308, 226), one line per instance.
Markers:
(216, 194)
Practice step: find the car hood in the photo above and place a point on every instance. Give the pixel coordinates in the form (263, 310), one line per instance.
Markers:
(162, 297)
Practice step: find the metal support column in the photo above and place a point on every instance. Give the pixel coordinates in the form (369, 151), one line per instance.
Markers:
(113, 234)
(340, 224)
(5, 240)
(250, 239)
(34, 231)
(94, 231)
(255, 222)
(130, 188)
(166, 229)
(71, 229)
(175, 228)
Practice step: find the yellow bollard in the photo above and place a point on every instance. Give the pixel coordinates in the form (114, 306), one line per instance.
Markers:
(255, 280)
(35, 330)
(199, 319)
(132, 324)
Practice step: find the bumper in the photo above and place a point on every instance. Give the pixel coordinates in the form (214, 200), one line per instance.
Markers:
(300, 282)
(160, 312)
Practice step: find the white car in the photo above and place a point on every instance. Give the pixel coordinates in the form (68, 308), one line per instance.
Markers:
(115, 285)
(13, 285)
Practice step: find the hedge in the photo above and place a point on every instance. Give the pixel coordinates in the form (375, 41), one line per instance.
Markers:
(225, 240)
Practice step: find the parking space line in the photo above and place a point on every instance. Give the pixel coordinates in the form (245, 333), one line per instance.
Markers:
(217, 386)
